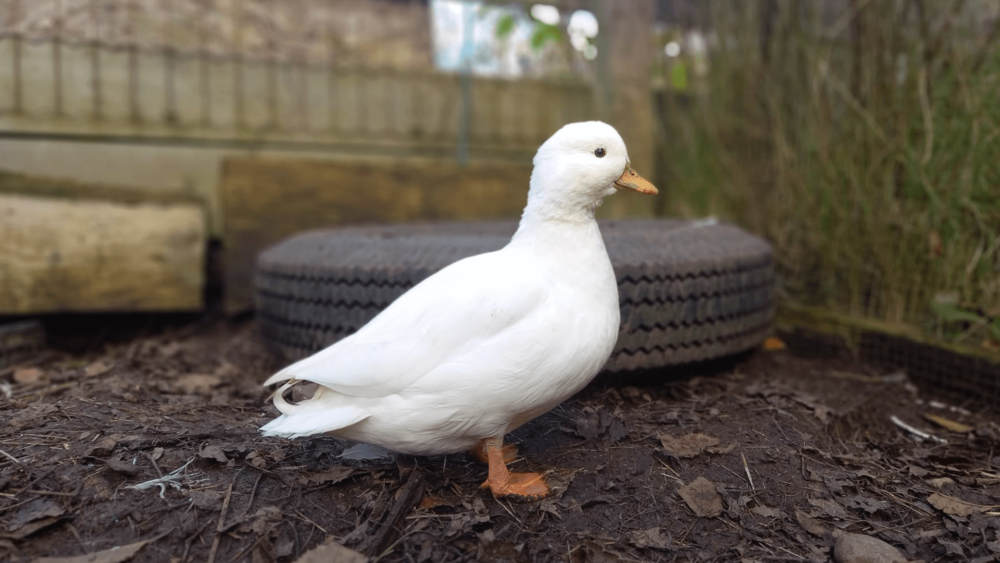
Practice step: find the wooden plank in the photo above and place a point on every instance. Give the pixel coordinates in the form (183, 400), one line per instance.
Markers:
(266, 200)
(60, 255)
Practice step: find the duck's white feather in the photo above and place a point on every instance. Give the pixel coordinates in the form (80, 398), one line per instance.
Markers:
(446, 315)
(489, 342)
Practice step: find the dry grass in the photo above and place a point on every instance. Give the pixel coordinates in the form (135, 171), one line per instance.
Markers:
(864, 144)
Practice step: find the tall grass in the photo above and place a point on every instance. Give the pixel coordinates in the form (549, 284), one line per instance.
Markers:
(864, 144)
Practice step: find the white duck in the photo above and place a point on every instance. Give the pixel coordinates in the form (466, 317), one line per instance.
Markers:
(491, 341)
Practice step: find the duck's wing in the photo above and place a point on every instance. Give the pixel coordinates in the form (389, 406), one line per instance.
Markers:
(446, 315)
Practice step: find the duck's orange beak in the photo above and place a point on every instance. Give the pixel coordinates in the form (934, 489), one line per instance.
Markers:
(629, 179)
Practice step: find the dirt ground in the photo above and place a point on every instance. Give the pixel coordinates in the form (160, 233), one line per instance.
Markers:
(769, 457)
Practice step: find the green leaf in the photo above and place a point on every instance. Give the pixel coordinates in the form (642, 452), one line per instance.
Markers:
(951, 313)
(995, 329)
(678, 76)
(505, 25)
(544, 34)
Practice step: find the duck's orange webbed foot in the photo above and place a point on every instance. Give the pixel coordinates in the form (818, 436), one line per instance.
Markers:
(479, 453)
(503, 483)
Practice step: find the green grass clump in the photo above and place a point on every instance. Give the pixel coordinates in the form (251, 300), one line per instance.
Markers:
(865, 145)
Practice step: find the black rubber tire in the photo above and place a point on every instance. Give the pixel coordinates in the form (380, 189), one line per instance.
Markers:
(689, 291)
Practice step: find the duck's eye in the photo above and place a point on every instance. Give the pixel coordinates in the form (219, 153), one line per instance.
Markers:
(599, 153)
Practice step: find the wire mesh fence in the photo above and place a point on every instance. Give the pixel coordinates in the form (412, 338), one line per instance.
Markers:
(249, 70)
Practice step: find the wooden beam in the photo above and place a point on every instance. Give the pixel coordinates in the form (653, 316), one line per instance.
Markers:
(61, 255)
(267, 199)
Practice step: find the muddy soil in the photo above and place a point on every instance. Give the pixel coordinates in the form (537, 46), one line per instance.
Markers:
(151, 446)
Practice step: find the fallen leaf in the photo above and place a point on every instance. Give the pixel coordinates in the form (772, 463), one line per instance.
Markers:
(940, 482)
(947, 424)
(114, 555)
(810, 524)
(954, 506)
(122, 464)
(207, 500)
(27, 416)
(765, 511)
(774, 343)
(27, 375)
(330, 550)
(593, 424)
(869, 505)
(431, 501)
(332, 475)
(593, 552)
(262, 521)
(649, 538)
(213, 452)
(32, 527)
(720, 450)
(35, 510)
(702, 497)
(831, 508)
(256, 459)
(366, 452)
(104, 446)
(822, 412)
(96, 368)
(953, 548)
(688, 445)
(196, 383)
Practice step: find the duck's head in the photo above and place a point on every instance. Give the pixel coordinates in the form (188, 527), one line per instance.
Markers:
(576, 168)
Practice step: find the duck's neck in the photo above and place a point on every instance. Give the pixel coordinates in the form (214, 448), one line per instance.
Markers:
(544, 227)
(548, 201)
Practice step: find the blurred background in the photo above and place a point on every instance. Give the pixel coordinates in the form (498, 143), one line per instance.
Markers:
(149, 149)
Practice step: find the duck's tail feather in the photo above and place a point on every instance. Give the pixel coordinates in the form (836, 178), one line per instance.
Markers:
(312, 416)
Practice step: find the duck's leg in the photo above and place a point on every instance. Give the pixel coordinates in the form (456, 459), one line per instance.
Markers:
(504, 483)
(479, 452)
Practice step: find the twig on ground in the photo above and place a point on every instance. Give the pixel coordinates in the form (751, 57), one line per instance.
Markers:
(155, 465)
(191, 538)
(747, 469)
(221, 526)
(10, 457)
(413, 490)
(253, 493)
(918, 433)
(305, 518)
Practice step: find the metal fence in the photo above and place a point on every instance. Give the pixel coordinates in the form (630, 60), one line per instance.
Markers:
(54, 82)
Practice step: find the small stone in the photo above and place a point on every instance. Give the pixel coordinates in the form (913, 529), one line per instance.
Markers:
(857, 548)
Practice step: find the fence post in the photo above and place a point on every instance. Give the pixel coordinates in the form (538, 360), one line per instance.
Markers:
(16, 44)
(624, 56)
